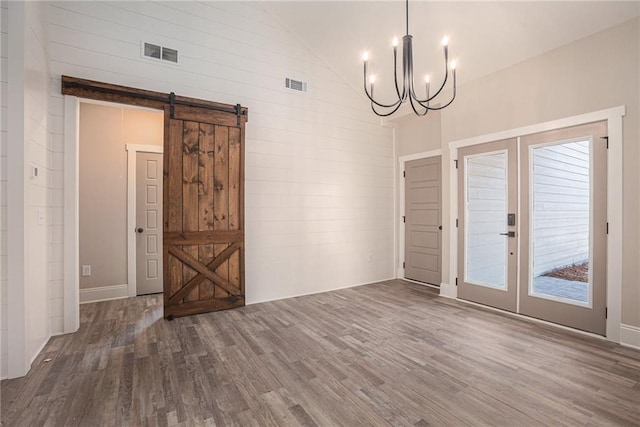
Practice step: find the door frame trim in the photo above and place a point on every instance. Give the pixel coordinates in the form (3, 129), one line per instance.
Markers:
(71, 237)
(132, 152)
(402, 160)
(613, 116)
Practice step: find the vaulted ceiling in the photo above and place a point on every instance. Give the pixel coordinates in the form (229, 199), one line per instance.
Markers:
(484, 36)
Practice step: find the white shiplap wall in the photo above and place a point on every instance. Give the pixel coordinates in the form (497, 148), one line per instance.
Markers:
(3, 187)
(319, 168)
(37, 154)
(28, 201)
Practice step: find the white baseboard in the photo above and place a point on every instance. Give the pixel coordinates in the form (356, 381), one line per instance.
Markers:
(448, 291)
(39, 350)
(302, 294)
(630, 336)
(104, 293)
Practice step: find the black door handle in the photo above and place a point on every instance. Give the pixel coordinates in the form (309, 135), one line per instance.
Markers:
(439, 227)
(509, 233)
(139, 230)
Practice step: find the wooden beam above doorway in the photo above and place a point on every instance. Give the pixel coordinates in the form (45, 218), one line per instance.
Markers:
(108, 92)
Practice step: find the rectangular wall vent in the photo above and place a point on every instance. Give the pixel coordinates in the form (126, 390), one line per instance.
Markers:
(297, 85)
(150, 50)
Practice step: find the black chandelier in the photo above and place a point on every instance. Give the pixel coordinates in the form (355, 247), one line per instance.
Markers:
(420, 106)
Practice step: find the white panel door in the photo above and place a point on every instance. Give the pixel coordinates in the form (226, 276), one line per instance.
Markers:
(148, 223)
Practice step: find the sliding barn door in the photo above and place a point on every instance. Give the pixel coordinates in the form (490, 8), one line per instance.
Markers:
(203, 211)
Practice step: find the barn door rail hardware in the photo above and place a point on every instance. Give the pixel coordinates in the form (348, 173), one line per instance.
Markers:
(78, 87)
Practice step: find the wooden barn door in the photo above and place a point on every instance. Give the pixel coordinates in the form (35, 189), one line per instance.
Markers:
(203, 211)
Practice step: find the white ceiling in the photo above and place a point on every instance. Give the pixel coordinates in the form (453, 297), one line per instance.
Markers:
(484, 36)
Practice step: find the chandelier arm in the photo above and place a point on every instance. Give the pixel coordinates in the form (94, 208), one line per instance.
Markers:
(410, 83)
(373, 101)
(412, 90)
(445, 105)
(386, 114)
(395, 72)
(444, 82)
(413, 107)
(431, 98)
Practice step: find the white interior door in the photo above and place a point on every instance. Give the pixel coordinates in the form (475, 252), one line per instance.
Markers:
(148, 223)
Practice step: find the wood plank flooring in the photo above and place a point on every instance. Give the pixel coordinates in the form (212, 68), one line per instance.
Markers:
(391, 353)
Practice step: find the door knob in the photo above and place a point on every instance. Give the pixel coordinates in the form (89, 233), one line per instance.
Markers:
(139, 230)
(509, 233)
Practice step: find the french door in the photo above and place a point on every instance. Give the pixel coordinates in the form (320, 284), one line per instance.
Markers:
(532, 225)
(488, 191)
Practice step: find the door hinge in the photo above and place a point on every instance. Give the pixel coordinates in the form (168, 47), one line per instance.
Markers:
(607, 228)
(606, 138)
(403, 264)
(456, 281)
(606, 312)
(456, 223)
(456, 162)
(404, 219)
(404, 174)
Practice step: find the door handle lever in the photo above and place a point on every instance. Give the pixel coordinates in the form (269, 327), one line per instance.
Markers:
(509, 233)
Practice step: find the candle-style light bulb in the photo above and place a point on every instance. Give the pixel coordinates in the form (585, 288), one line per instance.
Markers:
(453, 64)
(427, 79)
(394, 42)
(445, 41)
(372, 79)
(365, 56)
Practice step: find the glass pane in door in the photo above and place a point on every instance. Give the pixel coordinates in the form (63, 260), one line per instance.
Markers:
(485, 219)
(560, 219)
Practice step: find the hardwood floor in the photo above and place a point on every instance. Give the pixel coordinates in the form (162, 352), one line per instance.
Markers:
(391, 353)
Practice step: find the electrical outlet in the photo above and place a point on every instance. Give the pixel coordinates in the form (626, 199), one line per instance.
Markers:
(86, 270)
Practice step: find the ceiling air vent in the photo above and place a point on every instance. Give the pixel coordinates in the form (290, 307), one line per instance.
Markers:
(296, 85)
(150, 50)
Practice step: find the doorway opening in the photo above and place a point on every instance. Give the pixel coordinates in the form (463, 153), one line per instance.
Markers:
(111, 252)
(198, 136)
